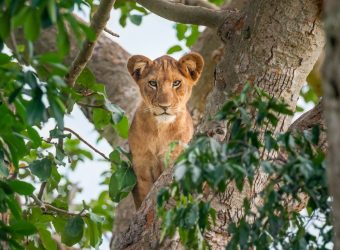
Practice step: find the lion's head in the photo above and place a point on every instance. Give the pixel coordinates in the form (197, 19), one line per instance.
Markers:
(165, 83)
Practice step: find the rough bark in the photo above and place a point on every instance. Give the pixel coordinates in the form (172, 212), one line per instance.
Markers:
(209, 45)
(313, 117)
(332, 107)
(271, 45)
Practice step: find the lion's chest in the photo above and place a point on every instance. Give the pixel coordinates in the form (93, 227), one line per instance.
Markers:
(159, 141)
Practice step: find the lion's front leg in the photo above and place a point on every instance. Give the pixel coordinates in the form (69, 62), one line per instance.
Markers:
(143, 164)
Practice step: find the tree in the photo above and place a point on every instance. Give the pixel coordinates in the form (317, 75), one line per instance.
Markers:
(332, 113)
(272, 46)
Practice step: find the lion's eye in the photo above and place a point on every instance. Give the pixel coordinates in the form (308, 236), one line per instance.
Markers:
(176, 83)
(153, 84)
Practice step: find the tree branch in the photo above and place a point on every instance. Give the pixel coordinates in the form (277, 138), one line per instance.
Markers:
(91, 105)
(202, 3)
(42, 189)
(309, 119)
(107, 30)
(88, 144)
(313, 117)
(181, 13)
(55, 209)
(98, 24)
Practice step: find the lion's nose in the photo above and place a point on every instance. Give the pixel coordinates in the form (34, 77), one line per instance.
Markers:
(164, 106)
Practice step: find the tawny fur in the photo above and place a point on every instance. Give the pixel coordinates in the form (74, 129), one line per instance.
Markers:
(151, 132)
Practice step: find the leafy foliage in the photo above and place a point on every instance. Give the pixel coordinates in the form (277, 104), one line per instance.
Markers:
(130, 10)
(291, 161)
(32, 92)
(185, 33)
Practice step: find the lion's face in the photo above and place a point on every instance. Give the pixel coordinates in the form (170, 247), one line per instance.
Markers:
(165, 83)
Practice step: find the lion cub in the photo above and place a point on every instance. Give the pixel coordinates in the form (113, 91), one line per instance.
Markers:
(162, 117)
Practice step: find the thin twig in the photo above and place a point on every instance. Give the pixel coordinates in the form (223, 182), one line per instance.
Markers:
(88, 144)
(47, 206)
(91, 105)
(111, 32)
(14, 45)
(42, 189)
(98, 24)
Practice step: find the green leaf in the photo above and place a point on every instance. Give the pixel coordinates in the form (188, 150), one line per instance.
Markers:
(5, 25)
(174, 49)
(52, 10)
(63, 41)
(93, 232)
(101, 118)
(47, 240)
(4, 58)
(41, 168)
(90, 34)
(49, 57)
(117, 112)
(122, 19)
(22, 227)
(217, 2)
(54, 179)
(59, 223)
(4, 171)
(34, 136)
(270, 142)
(73, 231)
(21, 187)
(115, 157)
(136, 19)
(121, 183)
(36, 108)
(21, 17)
(57, 108)
(32, 25)
(162, 197)
(15, 208)
(181, 29)
(123, 127)
(191, 216)
(86, 78)
(5, 187)
(191, 39)
(14, 94)
(16, 145)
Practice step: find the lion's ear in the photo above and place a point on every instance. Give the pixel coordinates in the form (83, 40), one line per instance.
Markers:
(192, 65)
(136, 65)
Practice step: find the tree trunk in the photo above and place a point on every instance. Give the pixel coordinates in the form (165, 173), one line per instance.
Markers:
(332, 107)
(272, 45)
